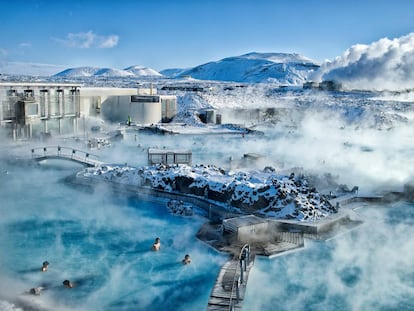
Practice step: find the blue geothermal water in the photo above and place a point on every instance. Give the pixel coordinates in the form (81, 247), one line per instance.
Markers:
(101, 243)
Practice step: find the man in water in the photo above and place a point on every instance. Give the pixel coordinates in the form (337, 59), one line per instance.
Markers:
(45, 266)
(157, 245)
(186, 259)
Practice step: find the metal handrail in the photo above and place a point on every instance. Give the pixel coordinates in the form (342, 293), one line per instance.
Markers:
(244, 258)
(64, 152)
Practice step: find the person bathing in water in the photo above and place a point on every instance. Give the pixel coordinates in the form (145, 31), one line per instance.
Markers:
(68, 284)
(157, 245)
(36, 290)
(45, 266)
(186, 259)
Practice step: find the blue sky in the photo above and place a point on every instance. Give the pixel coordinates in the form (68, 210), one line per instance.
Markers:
(176, 34)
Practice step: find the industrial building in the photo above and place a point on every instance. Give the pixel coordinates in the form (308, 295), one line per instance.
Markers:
(29, 110)
(36, 109)
(142, 106)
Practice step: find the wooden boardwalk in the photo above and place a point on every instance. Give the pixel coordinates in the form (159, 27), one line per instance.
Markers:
(229, 289)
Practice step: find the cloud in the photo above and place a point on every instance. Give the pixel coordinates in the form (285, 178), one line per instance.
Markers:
(109, 42)
(25, 44)
(86, 40)
(384, 64)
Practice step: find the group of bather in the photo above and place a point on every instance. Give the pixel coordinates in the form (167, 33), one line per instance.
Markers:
(68, 284)
(39, 289)
(157, 246)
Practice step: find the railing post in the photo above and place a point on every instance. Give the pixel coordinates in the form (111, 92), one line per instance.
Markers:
(238, 291)
(241, 270)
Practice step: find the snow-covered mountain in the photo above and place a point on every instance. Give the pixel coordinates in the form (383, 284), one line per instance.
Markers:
(78, 72)
(281, 68)
(93, 71)
(172, 72)
(107, 72)
(113, 72)
(278, 57)
(142, 71)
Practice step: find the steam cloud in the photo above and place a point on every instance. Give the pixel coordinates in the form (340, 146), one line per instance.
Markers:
(368, 269)
(386, 64)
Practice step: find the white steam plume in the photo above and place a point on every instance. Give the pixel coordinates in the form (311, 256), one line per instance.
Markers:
(387, 64)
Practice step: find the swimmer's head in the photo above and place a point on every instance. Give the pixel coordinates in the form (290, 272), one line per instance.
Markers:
(67, 283)
(35, 291)
(45, 265)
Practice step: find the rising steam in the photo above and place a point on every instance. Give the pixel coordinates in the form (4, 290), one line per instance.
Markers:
(386, 64)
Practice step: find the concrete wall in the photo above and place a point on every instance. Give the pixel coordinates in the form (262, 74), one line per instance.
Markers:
(251, 233)
(118, 108)
(145, 113)
(114, 105)
(93, 98)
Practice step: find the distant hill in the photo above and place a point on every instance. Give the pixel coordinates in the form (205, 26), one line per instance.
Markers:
(172, 72)
(142, 71)
(78, 72)
(107, 72)
(282, 68)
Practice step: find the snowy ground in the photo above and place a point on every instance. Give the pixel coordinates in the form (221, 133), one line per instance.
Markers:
(262, 192)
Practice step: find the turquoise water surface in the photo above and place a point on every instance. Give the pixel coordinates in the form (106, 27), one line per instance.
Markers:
(101, 242)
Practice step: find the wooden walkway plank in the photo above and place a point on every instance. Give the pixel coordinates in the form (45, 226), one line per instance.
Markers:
(225, 291)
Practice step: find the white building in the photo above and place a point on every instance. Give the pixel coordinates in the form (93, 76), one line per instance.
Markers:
(118, 104)
(35, 109)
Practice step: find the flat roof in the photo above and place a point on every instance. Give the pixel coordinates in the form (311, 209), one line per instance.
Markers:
(8, 84)
(165, 151)
(243, 221)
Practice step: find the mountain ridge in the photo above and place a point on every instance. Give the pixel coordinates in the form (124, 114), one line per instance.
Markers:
(254, 67)
(89, 71)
